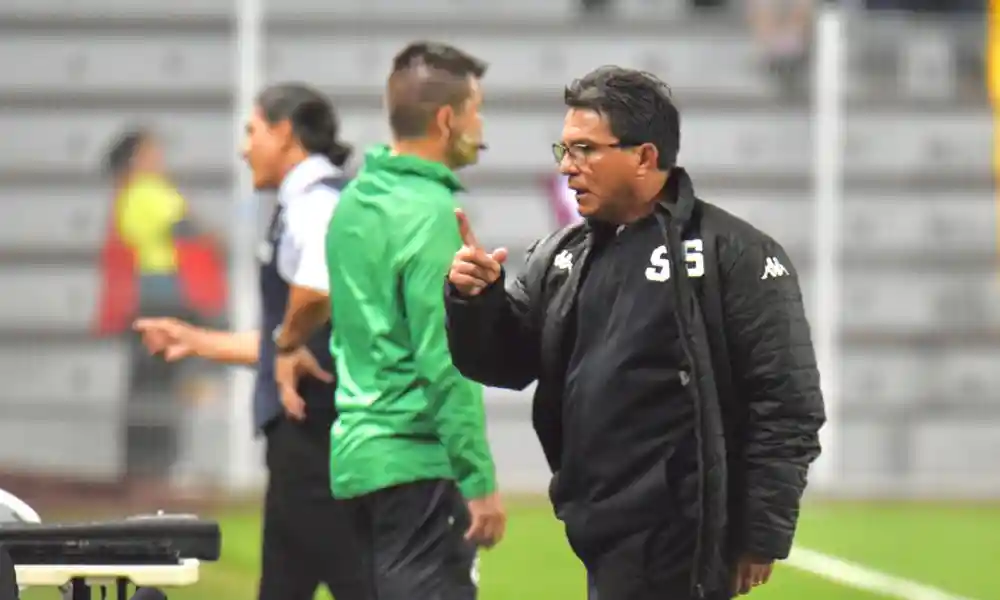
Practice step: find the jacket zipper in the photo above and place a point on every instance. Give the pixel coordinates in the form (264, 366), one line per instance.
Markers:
(674, 254)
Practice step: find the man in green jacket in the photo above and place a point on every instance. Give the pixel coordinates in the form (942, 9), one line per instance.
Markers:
(409, 447)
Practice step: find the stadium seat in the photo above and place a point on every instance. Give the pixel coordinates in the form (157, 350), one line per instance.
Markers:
(113, 8)
(878, 380)
(900, 302)
(534, 64)
(866, 450)
(68, 396)
(888, 145)
(76, 376)
(430, 11)
(48, 299)
(81, 63)
(893, 302)
(438, 11)
(894, 223)
(903, 224)
(53, 220)
(965, 376)
(75, 142)
(955, 450)
(79, 445)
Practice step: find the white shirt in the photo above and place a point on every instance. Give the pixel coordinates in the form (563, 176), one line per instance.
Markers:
(307, 212)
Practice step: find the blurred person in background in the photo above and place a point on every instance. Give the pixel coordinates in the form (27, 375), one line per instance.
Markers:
(149, 215)
(562, 200)
(292, 146)
(708, 5)
(173, 260)
(155, 261)
(962, 21)
(678, 400)
(596, 7)
(784, 29)
(409, 447)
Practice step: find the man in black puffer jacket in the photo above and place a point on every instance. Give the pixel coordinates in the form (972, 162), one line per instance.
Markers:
(678, 400)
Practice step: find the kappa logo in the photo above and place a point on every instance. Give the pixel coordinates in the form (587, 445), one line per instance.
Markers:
(773, 268)
(563, 261)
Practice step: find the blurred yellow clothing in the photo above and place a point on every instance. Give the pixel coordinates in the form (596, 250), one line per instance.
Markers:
(147, 210)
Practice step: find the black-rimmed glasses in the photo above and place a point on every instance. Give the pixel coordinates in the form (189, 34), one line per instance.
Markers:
(581, 152)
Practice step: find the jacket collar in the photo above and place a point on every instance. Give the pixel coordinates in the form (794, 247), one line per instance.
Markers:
(679, 199)
(382, 158)
(303, 175)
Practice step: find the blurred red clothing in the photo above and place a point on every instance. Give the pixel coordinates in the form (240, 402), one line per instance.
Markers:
(563, 201)
(200, 269)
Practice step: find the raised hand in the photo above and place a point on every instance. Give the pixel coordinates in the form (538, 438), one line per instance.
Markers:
(474, 269)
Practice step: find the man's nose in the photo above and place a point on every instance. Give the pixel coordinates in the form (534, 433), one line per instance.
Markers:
(567, 166)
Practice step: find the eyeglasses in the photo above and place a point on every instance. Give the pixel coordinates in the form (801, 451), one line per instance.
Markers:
(581, 152)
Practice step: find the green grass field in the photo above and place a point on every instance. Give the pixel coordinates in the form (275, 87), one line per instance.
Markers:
(952, 547)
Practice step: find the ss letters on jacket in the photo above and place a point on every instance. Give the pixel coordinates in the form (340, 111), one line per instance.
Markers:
(694, 258)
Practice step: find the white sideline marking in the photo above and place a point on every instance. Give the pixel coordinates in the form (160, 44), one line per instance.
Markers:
(863, 578)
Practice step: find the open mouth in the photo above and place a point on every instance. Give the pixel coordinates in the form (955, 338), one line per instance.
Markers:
(580, 193)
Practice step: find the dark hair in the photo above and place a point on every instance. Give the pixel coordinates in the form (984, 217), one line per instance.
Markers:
(313, 119)
(119, 158)
(637, 105)
(425, 77)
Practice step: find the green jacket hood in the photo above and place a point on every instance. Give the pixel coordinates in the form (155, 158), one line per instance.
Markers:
(381, 158)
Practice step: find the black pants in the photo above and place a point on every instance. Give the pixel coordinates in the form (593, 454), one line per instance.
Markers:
(651, 593)
(308, 538)
(8, 577)
(652, 564)
(412, 539)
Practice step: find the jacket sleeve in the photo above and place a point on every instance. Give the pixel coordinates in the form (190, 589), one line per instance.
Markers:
(494, 337)
(775, 373)
(455, 402)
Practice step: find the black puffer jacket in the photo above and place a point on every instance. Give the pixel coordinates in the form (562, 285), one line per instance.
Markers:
(754, 380)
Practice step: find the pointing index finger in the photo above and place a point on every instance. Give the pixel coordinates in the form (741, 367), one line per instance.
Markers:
(147, 324)
(465, 230)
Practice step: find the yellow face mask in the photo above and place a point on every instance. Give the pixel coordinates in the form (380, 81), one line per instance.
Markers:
(463, 147)
(464, 151)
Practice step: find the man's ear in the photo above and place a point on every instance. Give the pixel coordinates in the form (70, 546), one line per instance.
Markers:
(649, 158)
(443, 120)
